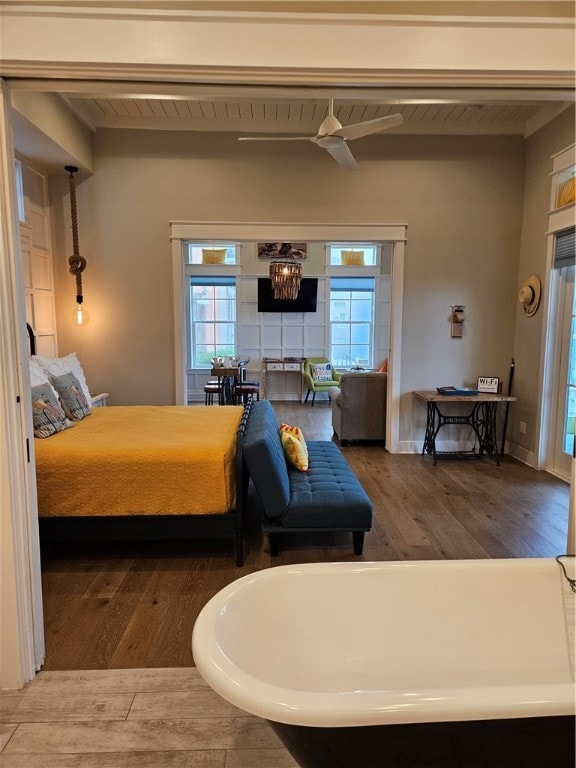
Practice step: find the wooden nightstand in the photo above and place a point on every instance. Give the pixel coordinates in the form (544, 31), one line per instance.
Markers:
(99, 400)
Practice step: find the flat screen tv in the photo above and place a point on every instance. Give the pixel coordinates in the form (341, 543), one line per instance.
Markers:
(304, 302)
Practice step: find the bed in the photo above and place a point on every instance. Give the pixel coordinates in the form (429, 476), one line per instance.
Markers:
(142, 472)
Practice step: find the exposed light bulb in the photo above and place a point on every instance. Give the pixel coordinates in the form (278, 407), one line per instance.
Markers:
(80, 315)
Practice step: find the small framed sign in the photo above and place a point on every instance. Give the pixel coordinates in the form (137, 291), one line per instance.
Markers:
(488, 384)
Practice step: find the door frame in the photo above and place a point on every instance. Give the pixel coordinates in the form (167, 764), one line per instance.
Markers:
(21, 627)
(297, 232)
(558, 219)
(560, 285)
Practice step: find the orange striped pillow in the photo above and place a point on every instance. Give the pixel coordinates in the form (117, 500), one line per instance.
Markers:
(294, 445)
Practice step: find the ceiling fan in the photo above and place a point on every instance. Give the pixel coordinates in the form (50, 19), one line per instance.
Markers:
(333, 137)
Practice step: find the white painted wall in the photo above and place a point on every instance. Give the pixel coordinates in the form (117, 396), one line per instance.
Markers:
(461, 198)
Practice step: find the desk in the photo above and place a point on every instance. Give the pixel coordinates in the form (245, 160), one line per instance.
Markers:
(482, 419)
(227, 377)
(286, 365)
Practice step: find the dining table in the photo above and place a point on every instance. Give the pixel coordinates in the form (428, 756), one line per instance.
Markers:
(228, 377)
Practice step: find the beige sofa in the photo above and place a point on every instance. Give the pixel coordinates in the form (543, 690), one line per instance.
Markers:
(359, 406)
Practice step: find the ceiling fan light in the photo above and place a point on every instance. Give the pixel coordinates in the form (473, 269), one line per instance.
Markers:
(286, 276)
(329, 142)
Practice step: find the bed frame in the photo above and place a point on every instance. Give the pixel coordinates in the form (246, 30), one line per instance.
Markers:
(230, 524)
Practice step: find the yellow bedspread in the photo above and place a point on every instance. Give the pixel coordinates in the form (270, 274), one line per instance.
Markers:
(140, 460)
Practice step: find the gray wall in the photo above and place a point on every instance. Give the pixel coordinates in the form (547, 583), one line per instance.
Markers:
(462, 198)
(528, 350)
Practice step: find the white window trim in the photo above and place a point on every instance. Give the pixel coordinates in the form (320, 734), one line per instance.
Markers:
(213, 244)
(354, 246)
(190, 323)
(372, 341)
(296, 232)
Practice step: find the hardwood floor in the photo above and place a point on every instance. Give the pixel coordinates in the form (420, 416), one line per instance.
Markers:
(133, 606)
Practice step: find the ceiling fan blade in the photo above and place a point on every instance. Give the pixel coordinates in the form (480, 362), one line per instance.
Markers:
(357, 130)
(276, 138)
(341, 153)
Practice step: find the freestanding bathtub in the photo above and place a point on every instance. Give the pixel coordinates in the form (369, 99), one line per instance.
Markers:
(451, 664)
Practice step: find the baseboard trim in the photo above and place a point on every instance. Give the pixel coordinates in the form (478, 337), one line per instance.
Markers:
(413, 446)
(522, 454)
(511, 449)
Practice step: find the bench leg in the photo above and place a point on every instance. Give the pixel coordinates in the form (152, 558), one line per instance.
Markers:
(273, 542)
(239, 549)
(358, 539)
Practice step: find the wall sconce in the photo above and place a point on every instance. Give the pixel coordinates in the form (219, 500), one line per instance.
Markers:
(456, 321)
(76, 262)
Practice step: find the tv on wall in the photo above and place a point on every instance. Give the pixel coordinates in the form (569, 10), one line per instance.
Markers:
(304, 302)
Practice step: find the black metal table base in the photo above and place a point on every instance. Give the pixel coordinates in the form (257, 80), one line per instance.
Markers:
(482, 419)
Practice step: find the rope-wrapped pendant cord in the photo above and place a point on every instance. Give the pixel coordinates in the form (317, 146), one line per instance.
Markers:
(76, 262)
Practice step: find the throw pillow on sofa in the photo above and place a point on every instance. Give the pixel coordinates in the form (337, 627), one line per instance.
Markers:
(294, 446)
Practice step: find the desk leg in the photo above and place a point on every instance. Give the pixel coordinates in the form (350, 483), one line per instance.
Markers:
(484, 423)
(431, 430)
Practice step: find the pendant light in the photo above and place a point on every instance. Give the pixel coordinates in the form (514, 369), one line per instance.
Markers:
(76, 262)
(285, 274)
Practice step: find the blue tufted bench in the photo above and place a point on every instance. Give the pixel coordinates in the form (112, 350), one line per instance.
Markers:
(328, 497)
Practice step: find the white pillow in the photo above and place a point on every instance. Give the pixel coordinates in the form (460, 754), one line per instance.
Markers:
(37, 374)
(56, 366)
(39, 377)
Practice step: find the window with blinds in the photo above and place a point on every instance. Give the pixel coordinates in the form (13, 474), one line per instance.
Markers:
(565, 248)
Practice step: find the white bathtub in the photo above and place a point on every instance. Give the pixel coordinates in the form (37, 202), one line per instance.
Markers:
(345, 644)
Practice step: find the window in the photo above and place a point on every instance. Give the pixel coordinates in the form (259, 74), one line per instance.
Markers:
(353, 254)
(351, 321)
(195, 253)
(212, 319)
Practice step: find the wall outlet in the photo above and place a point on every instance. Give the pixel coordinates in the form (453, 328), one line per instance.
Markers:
(522, 427)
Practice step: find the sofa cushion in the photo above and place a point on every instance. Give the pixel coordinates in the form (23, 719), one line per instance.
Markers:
(329, 495)
(264, 457)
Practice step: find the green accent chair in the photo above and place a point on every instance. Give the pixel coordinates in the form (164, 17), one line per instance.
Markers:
(318, 386)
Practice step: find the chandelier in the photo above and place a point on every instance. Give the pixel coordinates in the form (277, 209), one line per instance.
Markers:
(285, 275)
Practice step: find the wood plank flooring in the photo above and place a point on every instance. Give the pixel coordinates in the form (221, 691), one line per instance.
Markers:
(119, 689)
(134, 606)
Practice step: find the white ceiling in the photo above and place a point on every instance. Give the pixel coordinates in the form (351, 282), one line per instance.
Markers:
(451, 115)
(250, 100)
(281, 113)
